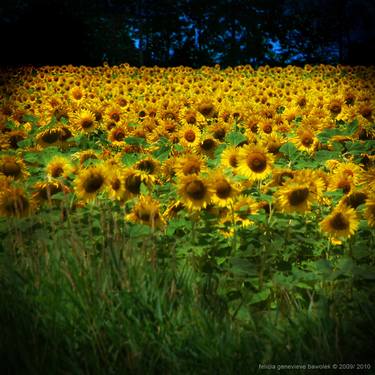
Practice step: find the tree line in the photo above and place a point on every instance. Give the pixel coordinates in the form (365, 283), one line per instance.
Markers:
(187, 32)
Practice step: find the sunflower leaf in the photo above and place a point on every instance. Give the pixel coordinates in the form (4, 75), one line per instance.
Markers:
(235, 138)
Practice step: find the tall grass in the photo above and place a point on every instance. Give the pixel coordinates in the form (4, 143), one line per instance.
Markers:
(83, 296)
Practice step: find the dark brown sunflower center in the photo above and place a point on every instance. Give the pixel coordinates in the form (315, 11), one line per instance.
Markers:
(190, 118)
(233, 161)
(65, 134)
(57, 171)
(196, 190)
(223, 189)
(191, 168)
(133, 183)
(345, 186)
(298, 196)
(307, 141)
(119, 135)
(116, 184)
(93, 183)
(338, 222)
(267, 129)
(86, 123)
(219, 134)
(335, 109)
(115, 117)
(50, 136)
(146, 165)
(143, 214)
(14, 139)
(190, 136)
(257, 162)
(206, 109)
(208, 144)
(355, 199)
(11, 168)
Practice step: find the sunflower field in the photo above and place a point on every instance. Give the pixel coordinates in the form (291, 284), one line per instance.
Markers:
(179, 220)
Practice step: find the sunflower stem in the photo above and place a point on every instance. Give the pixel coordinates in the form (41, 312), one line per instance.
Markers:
(234, 241)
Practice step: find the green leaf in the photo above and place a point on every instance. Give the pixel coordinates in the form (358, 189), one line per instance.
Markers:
(289, 150)
(260, 297)
(137, 141)
(235, 138)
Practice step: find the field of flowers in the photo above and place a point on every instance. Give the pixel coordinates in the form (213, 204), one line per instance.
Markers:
(144, 208)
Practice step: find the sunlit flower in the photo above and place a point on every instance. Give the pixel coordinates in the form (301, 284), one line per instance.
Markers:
(90, 182)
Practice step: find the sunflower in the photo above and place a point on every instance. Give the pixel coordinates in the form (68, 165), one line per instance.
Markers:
(146, 211)
(189, 136)
(132, 182)
(84, 121)
(45, 190)
(49, 137)
(189, 165)
(370, 212)
(59, 166)
(294, 197)
(113, 113)
(12, 167)
(355, 198)
(230, 158)
(224, 190)
(191, 117)
(195, 192)
(116, 184)
(305, 140)
(77, 95)
(90, 182)
(242, 207)
(117, 135)
(85, 155)
(14, 202)
(207, 108)
(341, 181)
(207, 146)
(148, 169)
(254, 162)
(173, 209)
(342, 222)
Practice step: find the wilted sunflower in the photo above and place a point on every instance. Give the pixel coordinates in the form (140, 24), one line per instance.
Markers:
(342, 222)
(224, 190)
(294, 197)
(146, 211)
(173, 209)
(14, 202)
(254, 162)
(59, 166)
(189, 164)
(84, 121)
(370, 212)
(13, 167)
(194, 191)
(90, 182)
(189, 136)
(44, 191)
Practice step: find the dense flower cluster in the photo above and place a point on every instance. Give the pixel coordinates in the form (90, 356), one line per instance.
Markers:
(220, 139)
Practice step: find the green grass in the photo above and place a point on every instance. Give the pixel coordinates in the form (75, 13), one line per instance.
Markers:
(85, 297)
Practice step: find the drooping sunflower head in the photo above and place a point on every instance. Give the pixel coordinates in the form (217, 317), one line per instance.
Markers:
(146, 211)
(207, 108)
(90, 182)
(355, 198)
(255, 162)
(44, 191)
(342, 222)
(14, 202)
(12, 167)
(194, 191)
(148, 168)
